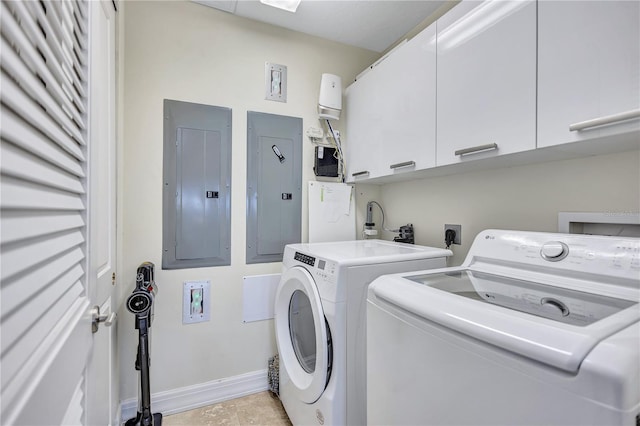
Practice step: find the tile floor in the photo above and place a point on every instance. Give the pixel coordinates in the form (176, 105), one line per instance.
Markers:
(262, 408)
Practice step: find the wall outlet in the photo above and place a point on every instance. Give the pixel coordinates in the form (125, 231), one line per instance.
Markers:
(196, 306)
(458, 229)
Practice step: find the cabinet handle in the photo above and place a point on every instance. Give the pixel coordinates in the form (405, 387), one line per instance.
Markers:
(363, 173)
(478, 148)
(607, 119)
(401, 165)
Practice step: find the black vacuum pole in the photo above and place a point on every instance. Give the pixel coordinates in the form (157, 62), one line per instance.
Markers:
(145, 392)
(140, 303)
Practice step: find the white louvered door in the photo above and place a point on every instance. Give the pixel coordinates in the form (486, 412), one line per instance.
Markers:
(46, 207)
(101, 396)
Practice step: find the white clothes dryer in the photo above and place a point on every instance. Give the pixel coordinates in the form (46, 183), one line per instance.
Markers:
(320, 309)
(532, 329)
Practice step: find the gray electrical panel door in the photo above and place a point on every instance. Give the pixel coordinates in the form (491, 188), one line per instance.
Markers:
(197, 186)
(274, 185)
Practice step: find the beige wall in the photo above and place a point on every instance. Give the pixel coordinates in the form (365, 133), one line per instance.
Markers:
(522, 198)
(188, 52)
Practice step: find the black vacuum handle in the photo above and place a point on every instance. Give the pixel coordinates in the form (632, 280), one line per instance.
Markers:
(144, 276)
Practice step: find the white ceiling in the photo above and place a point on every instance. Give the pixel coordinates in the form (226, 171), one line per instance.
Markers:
(370, 24)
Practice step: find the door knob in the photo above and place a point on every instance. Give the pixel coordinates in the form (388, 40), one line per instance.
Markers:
(96, 319)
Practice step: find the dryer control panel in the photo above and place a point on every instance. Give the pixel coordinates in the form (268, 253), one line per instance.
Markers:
(324, 269)
(306, 259)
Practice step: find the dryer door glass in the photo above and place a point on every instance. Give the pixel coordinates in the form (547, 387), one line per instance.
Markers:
(302, 330)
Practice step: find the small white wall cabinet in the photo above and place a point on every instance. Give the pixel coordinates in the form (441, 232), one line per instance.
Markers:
(486, 53)
(588, 69)
(391, 113)
(362, 144)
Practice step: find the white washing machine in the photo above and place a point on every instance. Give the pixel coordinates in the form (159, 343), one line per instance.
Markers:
(320, 312)
(533, 328)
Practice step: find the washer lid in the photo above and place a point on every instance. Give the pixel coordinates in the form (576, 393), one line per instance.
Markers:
(546, 301)
(553, 325)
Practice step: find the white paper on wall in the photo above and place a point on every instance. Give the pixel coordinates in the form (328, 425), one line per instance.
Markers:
(331, 212)
(258, 297)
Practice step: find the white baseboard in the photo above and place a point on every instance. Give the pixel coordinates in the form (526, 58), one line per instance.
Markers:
(200, 395)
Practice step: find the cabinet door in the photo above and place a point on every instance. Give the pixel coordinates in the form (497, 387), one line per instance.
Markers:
(362, 142)
(486, 80)
(391, 112)
(588, 68)
(408, 85)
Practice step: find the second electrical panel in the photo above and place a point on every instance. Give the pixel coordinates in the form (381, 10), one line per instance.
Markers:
(274, 185)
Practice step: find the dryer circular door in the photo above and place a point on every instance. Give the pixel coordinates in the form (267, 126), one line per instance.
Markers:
(302, 334)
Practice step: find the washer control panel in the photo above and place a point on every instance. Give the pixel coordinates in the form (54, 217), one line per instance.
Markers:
(554, 251)
(591, 254)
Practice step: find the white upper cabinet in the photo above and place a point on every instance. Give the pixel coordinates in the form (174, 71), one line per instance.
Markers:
(588, 70)
(409, 130)
(391, 112)
(499, 77)
(486, 83)
(362, 143)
